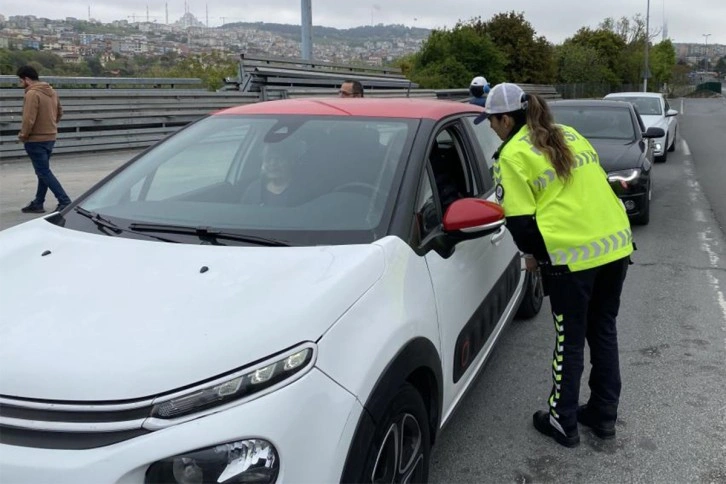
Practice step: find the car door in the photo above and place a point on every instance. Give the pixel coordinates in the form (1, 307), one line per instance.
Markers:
(671, 120)
(475, 283)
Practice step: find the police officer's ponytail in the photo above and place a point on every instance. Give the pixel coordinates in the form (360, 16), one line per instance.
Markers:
(546, 136)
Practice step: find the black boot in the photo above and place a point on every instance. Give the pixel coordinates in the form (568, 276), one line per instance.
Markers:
(541, 420)
(605, 429)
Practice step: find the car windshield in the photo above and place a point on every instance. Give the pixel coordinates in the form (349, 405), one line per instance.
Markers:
(305, 180)
(597, 122)
(647, 106)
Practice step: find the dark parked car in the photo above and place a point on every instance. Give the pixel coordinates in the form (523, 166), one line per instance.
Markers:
(616, 131)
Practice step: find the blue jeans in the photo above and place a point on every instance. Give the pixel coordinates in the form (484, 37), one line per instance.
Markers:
(39, 153)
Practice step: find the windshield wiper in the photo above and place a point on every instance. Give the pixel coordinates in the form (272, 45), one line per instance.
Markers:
(105, 223)
(99, 220)
(207, 233)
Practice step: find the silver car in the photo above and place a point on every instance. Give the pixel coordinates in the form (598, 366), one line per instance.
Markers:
(655, 111)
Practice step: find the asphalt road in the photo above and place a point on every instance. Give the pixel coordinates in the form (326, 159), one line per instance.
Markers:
(672, 426)
(672, 331)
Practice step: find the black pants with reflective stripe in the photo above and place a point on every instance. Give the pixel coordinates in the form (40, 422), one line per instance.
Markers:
(585, 306)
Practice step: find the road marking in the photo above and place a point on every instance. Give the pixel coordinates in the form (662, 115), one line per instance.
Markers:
(707, 240)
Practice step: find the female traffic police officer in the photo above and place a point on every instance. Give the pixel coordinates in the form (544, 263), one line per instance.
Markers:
(563, 214)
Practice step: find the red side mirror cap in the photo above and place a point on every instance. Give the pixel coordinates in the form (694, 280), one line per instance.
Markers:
(473, 215)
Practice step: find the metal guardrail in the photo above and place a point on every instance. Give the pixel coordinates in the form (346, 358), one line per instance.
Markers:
(114, 119)
(110, 82)
(258, 73)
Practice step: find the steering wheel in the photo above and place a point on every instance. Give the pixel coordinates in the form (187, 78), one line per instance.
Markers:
(357, 187)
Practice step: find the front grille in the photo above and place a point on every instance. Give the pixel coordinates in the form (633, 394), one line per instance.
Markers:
(43, 415)
(64, 440)
(66, 425)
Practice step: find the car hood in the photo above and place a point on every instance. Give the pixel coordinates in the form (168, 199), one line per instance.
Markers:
(654, 121)
(103, 318)
(618, 155)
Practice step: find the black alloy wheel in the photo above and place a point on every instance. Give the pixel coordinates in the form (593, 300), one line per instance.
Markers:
(401, 446)
(533, 296)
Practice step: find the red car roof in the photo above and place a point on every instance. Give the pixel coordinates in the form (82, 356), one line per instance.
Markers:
(367, 107)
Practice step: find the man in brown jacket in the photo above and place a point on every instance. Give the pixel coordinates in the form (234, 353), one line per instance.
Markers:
(41, 113)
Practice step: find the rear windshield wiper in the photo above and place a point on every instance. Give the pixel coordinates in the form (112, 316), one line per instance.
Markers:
(207, 233)
(106, 224)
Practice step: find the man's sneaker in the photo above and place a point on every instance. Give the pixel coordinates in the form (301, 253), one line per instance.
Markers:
(33, 208)
(603, 429)
(61, 206)
(541, 420)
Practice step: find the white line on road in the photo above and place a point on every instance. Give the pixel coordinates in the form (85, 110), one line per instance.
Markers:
(707, 240)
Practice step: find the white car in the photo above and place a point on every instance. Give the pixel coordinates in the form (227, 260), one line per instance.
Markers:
(290, 291)
(655, 111)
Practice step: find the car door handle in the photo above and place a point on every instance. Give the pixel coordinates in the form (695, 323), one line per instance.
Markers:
(498, 235)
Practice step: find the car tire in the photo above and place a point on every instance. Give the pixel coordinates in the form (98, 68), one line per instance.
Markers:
(672, 147)
(400, 447)
(644, 216)
(663, 158)
(533, 296)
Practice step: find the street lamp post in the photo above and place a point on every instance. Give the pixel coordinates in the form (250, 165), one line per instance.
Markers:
(646, 71)
(705, 52)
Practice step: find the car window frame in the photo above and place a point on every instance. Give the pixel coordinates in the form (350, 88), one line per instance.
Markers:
(487, 178)
(485, 185)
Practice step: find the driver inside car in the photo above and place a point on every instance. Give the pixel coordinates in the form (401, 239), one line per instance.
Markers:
(274, 186)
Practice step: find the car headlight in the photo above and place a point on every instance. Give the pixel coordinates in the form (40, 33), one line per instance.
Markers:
(243, 461)
(626, 176)
(657, 146)
(264, 377)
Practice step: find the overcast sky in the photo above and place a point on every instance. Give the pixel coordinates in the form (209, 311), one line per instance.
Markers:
(687, 20)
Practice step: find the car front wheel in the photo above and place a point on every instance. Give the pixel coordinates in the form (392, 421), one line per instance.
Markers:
(401, 445)
(533, 296)
(664, 157)
(672, 147)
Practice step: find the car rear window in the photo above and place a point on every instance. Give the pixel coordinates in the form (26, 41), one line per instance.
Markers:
(597, 122)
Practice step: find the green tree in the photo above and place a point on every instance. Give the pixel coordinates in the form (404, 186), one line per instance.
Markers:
(530, 59)
(630, 66)
(721, 66)
(662, 59)
(605, 48)
(578, 63)
(210, 68)
(94, 65)
(451, 58)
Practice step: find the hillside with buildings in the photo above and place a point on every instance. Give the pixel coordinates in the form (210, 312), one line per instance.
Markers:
(75, 40)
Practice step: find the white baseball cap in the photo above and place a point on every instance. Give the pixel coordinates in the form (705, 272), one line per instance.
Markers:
(479, 81)
(503, 98)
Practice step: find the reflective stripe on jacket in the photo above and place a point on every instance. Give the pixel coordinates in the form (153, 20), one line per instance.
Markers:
(582, 221)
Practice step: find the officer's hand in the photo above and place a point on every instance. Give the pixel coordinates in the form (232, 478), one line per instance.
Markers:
(530, 263)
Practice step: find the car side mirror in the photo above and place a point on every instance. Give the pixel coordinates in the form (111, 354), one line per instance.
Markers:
(469, 218)
(671, 112)
(654, 132)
